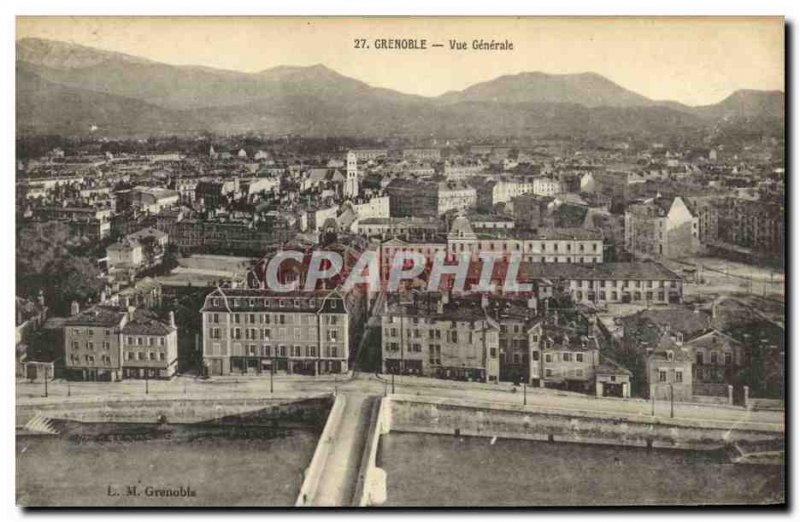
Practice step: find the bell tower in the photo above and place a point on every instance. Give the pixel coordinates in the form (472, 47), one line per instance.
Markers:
(351, 183)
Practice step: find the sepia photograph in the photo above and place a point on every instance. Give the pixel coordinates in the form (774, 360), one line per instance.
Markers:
(400, 262)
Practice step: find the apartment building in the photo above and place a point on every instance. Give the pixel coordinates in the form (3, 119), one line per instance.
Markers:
(427, 334)
(149, 347)
(106, 343)
(661, 227)
(260, 331)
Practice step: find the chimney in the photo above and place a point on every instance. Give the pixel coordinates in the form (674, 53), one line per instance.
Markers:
(40, 298)
(74, 308)
(484, 301)
(172, 319)
(102, 296)
(440, 304)
(131, 311)
(533, 304)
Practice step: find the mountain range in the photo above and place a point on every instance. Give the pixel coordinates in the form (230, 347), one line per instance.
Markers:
(67, 89)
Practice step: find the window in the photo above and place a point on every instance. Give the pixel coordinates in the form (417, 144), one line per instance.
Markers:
(548, 357)
(578, 357)
(548, 373)
(152, 356)
(566, 357)
(662, 376)
(492, 352)
(728, 358)
(535, 356)
(162, 356)
(678, 376)
(699, 358)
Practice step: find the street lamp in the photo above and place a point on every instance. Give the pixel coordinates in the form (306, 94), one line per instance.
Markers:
(671, 401)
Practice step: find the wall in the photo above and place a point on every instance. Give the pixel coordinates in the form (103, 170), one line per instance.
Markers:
(371, 485)
(313, 472)
(473, 418)
(150, 410)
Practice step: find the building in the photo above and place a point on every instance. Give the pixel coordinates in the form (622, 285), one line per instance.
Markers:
(351, 183)
(669, 370)
(427, 334)
(389, 227)
(558, 245)
(413, 198)
(644, 283)
(374, 207)
(422, 154)
(366, 155)
(661, 227)
(258, 331)
(149, 347)
(92, 344)
(748, 228)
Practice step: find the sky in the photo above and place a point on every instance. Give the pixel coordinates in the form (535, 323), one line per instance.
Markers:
(695, 61)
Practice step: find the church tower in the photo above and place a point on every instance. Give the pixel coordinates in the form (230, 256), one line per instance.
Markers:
(351, 183)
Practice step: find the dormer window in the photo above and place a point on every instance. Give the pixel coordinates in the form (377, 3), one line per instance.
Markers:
(670, 355)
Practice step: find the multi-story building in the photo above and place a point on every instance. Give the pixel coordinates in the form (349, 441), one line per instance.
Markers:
(149, 347)
(669, 370)
(255, 331)
(543, 186)
(426, 334)
(385, 228)
(661, 227)
(106, 343)
(237, 236)
(494, 191)
(557, 245)
(565, 353)
(423, 154)
(369, 154)
(719, 360)
(92, 344)
(643, 283)
(750, 227)
(412, 198)
(376, 207)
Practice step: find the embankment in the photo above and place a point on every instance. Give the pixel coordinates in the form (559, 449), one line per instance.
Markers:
(242, 410)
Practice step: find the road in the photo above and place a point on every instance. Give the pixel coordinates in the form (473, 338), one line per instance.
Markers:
(369, 384)
(340, 473)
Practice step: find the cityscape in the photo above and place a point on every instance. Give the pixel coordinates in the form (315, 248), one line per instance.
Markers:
(292, 288)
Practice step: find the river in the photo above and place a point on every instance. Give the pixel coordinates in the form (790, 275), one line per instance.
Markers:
(437, 470)
(228, 468)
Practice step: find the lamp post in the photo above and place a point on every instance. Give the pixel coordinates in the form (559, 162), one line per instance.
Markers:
(524, 394)
(392, 384)
(271, 373)
(46, 372)
(146, 383)
(671, 401)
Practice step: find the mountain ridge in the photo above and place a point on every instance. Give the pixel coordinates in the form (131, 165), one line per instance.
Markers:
(198, 97)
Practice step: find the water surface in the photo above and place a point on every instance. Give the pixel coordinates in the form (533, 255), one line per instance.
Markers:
(438, 470)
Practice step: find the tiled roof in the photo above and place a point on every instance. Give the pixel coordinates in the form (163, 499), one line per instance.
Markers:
(145, 323)
(97, 316)
(607, 271)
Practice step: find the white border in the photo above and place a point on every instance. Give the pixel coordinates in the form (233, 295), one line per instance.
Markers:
(788, 8)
